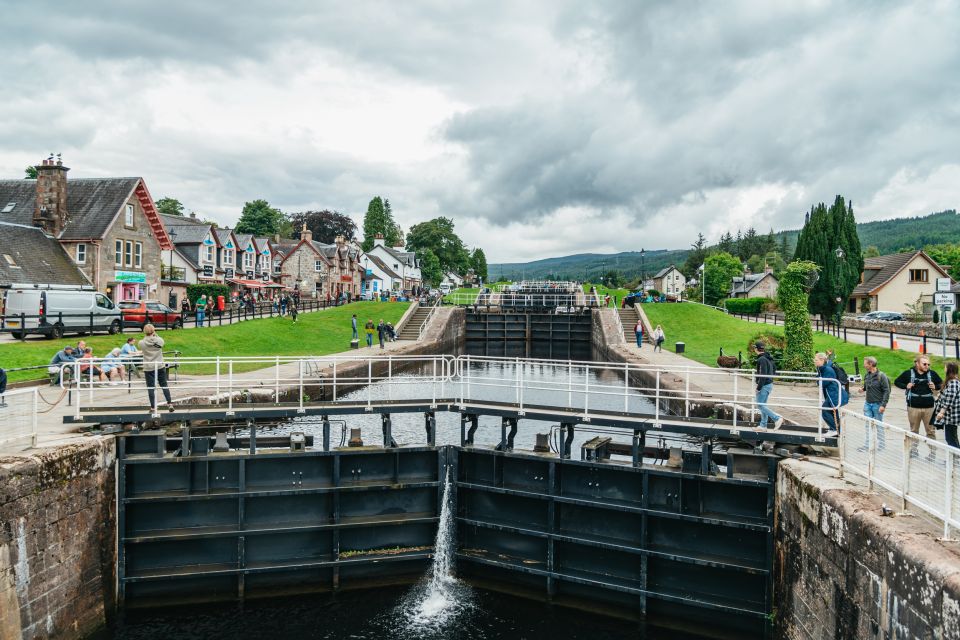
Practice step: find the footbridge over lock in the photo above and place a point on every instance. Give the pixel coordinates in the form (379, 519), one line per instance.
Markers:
(619, 530)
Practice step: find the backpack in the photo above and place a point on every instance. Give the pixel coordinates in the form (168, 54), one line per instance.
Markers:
(841, 375)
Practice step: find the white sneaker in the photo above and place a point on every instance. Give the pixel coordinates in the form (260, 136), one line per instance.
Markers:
(778, 423)
(831, 434)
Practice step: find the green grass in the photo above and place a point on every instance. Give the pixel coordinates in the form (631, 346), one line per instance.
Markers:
(316, 333)
(466, 293)
(705, 330)
(617, 294)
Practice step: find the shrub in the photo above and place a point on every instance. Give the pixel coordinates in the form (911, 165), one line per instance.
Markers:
(793, 299)
(936, 316)
(194, 291)
(774, 343)
(746, 305)
(955, 316)
(653, 293)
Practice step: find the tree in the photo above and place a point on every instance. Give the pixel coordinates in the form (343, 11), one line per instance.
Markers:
(430, 267)
(170, 206)
(720, 269)
(873, 252)
(478, 261)
(947, 255)
(260, 219)
(698, 253)
(438, 236)
(784, 250)
(793, 301)
(30, 173)
(379, 219)
(726, 244)
(326, 225)
(826, 231)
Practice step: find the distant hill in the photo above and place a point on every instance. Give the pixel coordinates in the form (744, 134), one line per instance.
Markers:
(889, 236)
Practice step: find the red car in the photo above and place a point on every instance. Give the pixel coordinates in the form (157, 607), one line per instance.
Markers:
(137, 313)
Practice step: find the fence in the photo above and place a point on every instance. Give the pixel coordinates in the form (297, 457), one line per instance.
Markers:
(919, 471)
(18, 417)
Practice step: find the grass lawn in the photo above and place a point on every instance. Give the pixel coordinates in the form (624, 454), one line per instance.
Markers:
(466, 293)
(316, 333)
(617, 294)
(705, 330)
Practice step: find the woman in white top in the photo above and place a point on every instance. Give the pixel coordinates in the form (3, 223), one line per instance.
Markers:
(658, 338)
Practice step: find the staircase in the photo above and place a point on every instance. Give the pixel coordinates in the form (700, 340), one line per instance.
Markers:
(411, 330)
(628, 320)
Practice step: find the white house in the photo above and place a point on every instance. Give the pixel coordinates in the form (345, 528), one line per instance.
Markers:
(403, 263)
(452, 279)
(669, 281)
(377, 270)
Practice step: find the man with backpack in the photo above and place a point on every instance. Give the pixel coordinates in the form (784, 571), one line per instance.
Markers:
(766, 369)
(921, 384)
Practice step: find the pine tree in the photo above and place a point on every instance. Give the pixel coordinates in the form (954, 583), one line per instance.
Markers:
(785, 249)
(826, 231)
(698, 253)
(379, 219)
(478, 262)
(726, 244)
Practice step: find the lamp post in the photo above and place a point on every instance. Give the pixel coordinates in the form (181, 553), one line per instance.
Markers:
(643, 270)
(703, 281)
(838, 281)
(170, 301)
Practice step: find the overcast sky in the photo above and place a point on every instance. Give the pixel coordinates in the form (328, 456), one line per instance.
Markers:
(542, 128)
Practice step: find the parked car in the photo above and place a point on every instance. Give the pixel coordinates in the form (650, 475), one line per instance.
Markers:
(137, 313)
(883, 316)
(53, 311)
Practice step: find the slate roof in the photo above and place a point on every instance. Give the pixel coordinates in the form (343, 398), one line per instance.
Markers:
(223, 235)
(189, 231)
(664, 272)
(39, 258)
(92, 204)
(407, 257)
(383, 267)
(748, 282)
(880, 270)
(243, 239)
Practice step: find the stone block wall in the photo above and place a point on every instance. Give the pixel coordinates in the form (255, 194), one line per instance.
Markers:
(57, 540)
(845, 571)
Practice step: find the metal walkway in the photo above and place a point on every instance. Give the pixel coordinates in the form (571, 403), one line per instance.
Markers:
(637, 399)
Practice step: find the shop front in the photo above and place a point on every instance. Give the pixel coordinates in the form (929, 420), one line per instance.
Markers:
(128, 285)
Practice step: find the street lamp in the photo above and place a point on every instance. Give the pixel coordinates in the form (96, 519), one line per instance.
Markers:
(838, 281)
(643, 270)
(170, 301)
(703, 281)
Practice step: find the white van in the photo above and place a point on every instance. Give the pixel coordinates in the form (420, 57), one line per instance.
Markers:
(54, 311)
(444, 289)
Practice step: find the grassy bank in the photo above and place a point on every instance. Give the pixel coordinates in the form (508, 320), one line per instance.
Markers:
(617, 294)
(316, 333)
(466, 293)
(705, 330)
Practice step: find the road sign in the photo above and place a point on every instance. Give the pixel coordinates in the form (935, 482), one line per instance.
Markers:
(943, 284)
(942, 299)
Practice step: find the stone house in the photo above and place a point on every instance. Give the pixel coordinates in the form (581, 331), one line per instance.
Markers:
(345, 268)
(669, 281)
(755, 285)
(304, 267)
(109, 227)
(195, 258)
(896, 281)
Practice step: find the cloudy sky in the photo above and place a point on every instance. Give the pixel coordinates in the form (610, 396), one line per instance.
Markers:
(542, 128)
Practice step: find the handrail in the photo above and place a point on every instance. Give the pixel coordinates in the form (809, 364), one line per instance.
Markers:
(426, 321)
(19, 412)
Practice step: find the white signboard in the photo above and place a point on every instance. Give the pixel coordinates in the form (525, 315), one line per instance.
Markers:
(943, 284)
(942, 298)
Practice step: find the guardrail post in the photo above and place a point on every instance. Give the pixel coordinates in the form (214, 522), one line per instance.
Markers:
(736, 377)
(948, 496)
(866, 337)
(276, 381)
(389, 377)
(844, 334)
(656, 399)
(300, 386)
(905, 480)
(871, 451)
(218, 380)
(891, 340)
(517, 379)
(570, 383)
(33, 428)
(230, 386)
(626, 387)
(334, 398)
(586, 390)
(369, 383)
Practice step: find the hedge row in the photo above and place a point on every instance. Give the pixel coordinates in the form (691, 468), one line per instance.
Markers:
(746, 305)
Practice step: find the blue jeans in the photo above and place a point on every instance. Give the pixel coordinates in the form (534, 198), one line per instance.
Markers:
(829, 415)
(872, 410)
(200, 316)
(639, 338)
(763, 394)
(369, 339)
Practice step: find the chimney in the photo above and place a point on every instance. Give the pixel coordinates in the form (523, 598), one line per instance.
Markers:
(378, 240)
(341, 241)
(193, 215)
(50, 210)
(306, 234)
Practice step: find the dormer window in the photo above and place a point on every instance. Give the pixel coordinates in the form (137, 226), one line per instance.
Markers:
(81, 253)
(128, 216)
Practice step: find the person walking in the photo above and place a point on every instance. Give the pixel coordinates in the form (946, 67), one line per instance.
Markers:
(766, 369)
(293, 312)
(830, 392)
(876, 386)
(201, 307)
(154, 370)
(947, 407)
(638, 331)
(369, 330)
(353, 323)
(381, 330)
(921, 386)
(283, 304)
(658, 338)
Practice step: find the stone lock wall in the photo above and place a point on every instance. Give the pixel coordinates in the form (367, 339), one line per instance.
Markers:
(57, 546)
(844, 571)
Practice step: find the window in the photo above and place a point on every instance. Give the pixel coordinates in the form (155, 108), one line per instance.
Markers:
(318, 266)
(228, 256)
(209, 257)
(919, 275)
(9, 207)
(138, 255)
(128, 253)
(11, 261)
(118, 253)
(128, 216)
(104, 302)
(81, 253)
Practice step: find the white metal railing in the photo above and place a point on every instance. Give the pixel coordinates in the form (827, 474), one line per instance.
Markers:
(426, 321)
(269, 379)
(921, 472)
(19, 410)
(586, 387)
(508, 300)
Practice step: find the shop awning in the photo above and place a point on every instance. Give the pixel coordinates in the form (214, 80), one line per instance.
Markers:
(250, 284)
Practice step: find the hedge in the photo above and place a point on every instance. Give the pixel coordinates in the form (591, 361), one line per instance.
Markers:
(746, 305)
(194, 291)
